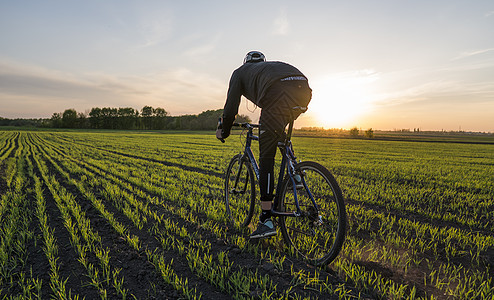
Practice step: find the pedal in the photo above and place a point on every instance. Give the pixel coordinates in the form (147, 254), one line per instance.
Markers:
(318, 222)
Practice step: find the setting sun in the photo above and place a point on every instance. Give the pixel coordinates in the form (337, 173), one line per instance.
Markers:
(338, 101)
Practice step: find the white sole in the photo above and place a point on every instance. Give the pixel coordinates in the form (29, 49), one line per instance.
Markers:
(259, 236)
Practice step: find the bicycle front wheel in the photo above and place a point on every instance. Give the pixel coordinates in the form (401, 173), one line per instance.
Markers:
(240, 191)
(318, 234)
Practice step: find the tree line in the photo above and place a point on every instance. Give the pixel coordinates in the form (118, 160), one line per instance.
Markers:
(148, 118)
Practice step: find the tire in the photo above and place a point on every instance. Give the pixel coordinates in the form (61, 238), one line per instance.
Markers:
(319, 242)
(240, 200)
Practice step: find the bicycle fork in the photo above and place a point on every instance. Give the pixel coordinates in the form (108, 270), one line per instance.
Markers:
(297, 178)
(234, 190)
(312, 213)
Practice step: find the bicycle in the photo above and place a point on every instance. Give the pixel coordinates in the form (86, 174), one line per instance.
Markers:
(308, 201)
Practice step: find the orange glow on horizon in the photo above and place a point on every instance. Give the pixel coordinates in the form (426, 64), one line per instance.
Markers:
(339, 101)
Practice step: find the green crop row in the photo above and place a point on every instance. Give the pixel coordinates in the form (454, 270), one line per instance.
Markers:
(180, 245)
(383, 233)
(183, 232)
(420, 215)
(113, 192)
(108, 276)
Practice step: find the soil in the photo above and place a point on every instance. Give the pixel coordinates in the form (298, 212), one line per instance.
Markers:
(141, 278)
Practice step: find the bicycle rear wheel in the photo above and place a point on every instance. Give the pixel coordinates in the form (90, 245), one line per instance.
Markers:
(316, 235)
(240, 191)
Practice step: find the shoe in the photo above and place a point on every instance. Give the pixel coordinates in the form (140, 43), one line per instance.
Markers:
(264, 230)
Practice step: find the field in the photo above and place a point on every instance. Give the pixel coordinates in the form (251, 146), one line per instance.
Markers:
(124, 215)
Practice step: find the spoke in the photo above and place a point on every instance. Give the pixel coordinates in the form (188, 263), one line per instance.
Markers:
(294, 229)
(315, 232)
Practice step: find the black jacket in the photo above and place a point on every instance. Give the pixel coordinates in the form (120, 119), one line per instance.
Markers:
(252, 80)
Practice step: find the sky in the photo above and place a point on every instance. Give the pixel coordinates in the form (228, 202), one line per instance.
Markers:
(371, 64)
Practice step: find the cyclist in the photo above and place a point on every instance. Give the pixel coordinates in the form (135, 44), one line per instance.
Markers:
(283, 93)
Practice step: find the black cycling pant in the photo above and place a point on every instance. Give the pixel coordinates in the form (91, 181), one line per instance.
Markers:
(283, 97)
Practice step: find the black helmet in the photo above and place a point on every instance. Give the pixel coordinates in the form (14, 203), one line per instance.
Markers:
(253, 57)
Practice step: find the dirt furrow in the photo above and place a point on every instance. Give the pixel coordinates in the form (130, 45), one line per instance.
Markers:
(143, 281)
(241, 258)
(69, 266)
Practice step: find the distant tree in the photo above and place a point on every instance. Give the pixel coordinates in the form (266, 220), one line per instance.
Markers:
(178, 123)
(56, 120)
(95, 119)
(26, 122)
(369, 133)
(127, 118)
(109, 117)
(45, 123)
(207, 120)
(159, 118)
(130, 118)
(82, 120)
(147, 111)
(160, 112)
(69, 118)
(146, 114)
(354, 132)
(243, 119)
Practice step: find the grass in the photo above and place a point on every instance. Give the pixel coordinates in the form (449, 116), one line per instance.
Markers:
(420, 219)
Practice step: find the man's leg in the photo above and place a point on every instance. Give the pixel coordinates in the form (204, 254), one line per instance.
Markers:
(284, 96)
(268, 141)
(273, 120)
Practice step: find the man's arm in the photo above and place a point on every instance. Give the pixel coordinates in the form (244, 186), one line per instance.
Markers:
(232, 102)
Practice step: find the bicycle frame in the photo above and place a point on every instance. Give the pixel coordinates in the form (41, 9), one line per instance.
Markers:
(288, 163)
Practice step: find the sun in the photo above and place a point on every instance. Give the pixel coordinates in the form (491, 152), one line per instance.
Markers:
(338, 101)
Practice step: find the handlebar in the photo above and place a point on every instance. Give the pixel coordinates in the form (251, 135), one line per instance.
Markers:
(243, 125)
(246, 125)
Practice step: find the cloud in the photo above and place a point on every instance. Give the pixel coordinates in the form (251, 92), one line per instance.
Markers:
(155, 25)
(32, 80)
(281, 25)
(35, 92)
(414, 93)
(204, 48)
(185, 91)
(155, 31)
(142, 26)
(490, 13)
(31, 91)
(473, 53)
(446, 92)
